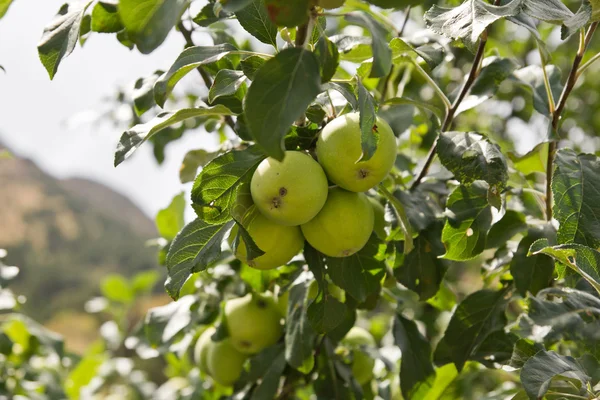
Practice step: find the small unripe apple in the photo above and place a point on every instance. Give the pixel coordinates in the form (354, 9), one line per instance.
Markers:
(339, 151)
(290, 192)
(379, 221)
(343, 226)
(280, 243)
(254, 322)
(362, 364)
(225, 364)
(201, 349)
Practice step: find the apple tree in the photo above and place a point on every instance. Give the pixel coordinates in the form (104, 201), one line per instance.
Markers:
(405, 202)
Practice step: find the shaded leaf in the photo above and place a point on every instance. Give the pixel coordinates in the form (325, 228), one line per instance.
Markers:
(539, 370)
(105, 18)
(299, 334)
(326, 313)
(187, 61)
(252, 64)
(475, 318)
(359, 274)
(255, 20)
(470, 156)
(575, 186)
(216, 187)
(193, 160)
(532, 273)
(60, 36)
(136, 136)
(369, 136)
(328, 56)
(196, 247)
(148, 22)
(163, 323)
(523, 350)
(532, 78)
(346, 90)
(143, 93)
(269, 384)
(512, 223)
(281, 91)
(382, 55)
(226, 83)
(417, 374)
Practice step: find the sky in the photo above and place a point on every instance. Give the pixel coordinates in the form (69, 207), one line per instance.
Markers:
(37, 115)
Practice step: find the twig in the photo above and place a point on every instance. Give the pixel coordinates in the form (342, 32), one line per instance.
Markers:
(386, 82)
(452, 110)
(584, 42)
(187, 35)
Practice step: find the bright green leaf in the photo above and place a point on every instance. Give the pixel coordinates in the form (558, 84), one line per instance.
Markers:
(169, 221)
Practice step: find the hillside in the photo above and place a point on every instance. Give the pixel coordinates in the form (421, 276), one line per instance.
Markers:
(66, 235)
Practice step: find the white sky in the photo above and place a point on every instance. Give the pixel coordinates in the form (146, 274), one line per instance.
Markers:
(33, 109)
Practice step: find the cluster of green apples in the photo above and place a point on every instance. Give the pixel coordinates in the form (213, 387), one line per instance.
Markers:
(253, 323)
(323, 200)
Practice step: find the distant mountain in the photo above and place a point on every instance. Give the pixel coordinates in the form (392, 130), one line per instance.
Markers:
(65, 235)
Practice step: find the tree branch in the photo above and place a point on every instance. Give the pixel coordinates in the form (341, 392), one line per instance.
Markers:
(584, 42)
(187, 35)
(452, 111)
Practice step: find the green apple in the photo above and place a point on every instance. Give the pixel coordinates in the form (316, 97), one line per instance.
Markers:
(331, 4)
(343, 226)
(339, 151)
(201, 349)
(280, 243)
(254, 322)
(290, 192)
(379, 221)
(225, 364)
(362, 364)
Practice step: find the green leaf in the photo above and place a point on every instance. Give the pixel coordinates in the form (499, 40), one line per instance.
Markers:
(299, 334)
(581, 259)
(565, 314)
(531, 273)
(575, 186)
(187, 61)
(470, 156)
(578, 20)
(422, 270)
(216, 187)
(148, 22)
(196, 247)
(4, 5)
(523, 350)
(326, 313)
(468, 21)
(136, 136)
(533, 161)
(226, 83)
(532, 78)
(382, 55)
(269, 384)
(359, 274)
(116, 288)
(252, 64)
(105, 18)
(281, 91)
(328, 56)
(512, 223)
(369, 136)
(60, 36)
(163, 323)
(420, 209)
(496, 349)
(207, 17)
(234, 5)
(193, 160)
(252, 249)
(475, 318)
(143, 93)
(346, 90)
(143, 282)
(255, 20)
(541, 369)
(494, 71)
(417, 374)
(169, 221)
(469, 221)
(547, 10)
(288, 13)
(404, 101)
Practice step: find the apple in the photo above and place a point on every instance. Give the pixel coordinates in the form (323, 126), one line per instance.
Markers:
(225, 364)
(254, 322)
(280, 243)
(343, 226)
(201, 349)
(290, 192)
(362, 364)
(339, 151)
